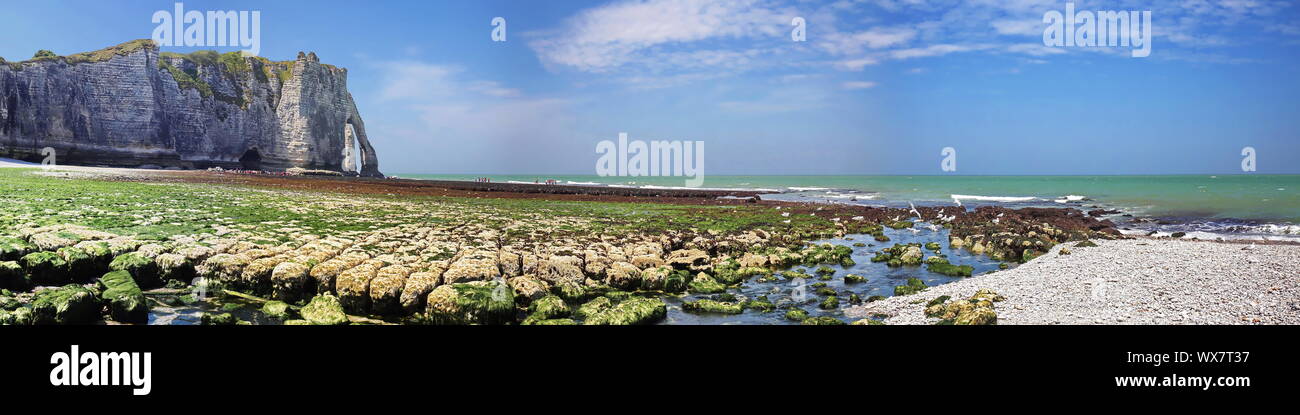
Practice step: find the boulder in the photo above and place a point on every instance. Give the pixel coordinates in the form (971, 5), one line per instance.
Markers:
(12, 277)
(528, 287)
(324, 310)
(45, 268)
(711, 306)
(476, 302)
(415, 289)
(353, 287)
(289, 281)
(126, 303)
(324, 274)
(69, 304)
(632, 311)
(386, 289)
(623, 276)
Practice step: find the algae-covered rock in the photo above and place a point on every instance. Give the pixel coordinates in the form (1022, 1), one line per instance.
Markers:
(854, 279)
(761, 305)
(704, 284)
(632, 311)
(710, 306)
(830, 303)
(126, 303)
(867, 322)
(12, 277)
(81, 267)
(324, 310)
(218, 319)
(386, 289)
(142, 269)
(546, 308)
(174, 267)
(623, 276)
(677, 281)
(555, 322)
(289, 280)
(277, 310)
(593, 307)
(950, 270)
(11, 248)
(475, 302)
(417, 288)
(796, 315)
(914, 285)
(69, 304)
(46, 268)
(823, 321)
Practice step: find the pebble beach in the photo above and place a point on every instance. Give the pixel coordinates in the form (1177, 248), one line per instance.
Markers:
(1136, 281)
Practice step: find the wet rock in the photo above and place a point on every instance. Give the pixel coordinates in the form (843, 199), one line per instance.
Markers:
(823, 321)
(830, 303)
(623, 276)
(324, 310)
(854, 279)
(126, 303)
(277, 310)
(561, 269)
(353, 286)
(45, 268)
(476, 302)
(174, 267)
(688, 259)
(546, 308)
(417, 289)
(913, 286)
(69, 304)
(386, 289)
(12, 277)
(796, 315)
(632, 311)
(867, 322)
(647, 261)
(289, 281)
(224, 268)
(593, 307)
(325, 273)
(653, 279)
(218, 319)
(475, 266)
(11, 249)
(711, 306)
(704, 284)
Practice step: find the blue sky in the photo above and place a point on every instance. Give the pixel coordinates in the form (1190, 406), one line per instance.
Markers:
(879, 87)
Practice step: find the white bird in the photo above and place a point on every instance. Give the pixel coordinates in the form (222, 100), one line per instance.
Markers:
(914, 212)
(957, 201)
(933, 228)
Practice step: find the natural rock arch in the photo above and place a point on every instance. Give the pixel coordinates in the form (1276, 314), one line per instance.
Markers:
(369, 166)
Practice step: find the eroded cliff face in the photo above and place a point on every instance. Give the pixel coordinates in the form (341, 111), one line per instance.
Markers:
(130, 105)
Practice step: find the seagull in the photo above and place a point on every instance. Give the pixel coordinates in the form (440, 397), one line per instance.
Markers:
(918, 214)
(957, 201)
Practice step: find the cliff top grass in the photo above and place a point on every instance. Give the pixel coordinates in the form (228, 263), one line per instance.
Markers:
(87, 57)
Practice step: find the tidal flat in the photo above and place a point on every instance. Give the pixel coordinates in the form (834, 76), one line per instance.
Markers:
(88, 246)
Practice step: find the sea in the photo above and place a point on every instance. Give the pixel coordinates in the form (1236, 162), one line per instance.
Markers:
(1235, 206)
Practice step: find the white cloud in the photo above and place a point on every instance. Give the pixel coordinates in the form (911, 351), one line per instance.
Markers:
(607, 37)
(856, 85)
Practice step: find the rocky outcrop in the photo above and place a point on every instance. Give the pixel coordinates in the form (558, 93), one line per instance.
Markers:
(130, 105)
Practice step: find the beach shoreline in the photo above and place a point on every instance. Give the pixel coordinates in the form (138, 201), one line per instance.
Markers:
(1131, 281)
(743, 251)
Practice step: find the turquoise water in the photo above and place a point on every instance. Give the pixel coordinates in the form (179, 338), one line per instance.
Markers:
(1267, 198)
